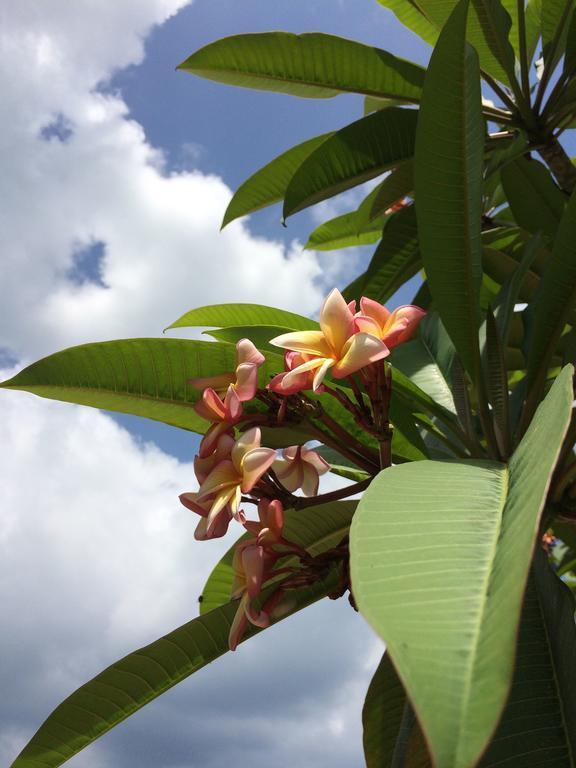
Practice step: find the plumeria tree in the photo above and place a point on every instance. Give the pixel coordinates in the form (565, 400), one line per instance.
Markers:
(451, 418)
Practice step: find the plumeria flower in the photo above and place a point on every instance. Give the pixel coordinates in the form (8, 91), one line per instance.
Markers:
(252, 565)
(300, 467)
(222, 413)
(244, 380)
(297, 383)
(203, 465)
(229, 479)
(207, 529)
(337, 345)
(268, 530)
(393, 328)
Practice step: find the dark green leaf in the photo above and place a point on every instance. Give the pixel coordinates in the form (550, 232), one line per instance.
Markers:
(268, 185)
(355, 154)
(448, 179)
(395, 260)
(344, 232)
(311, 65)
(398, 184)
(536, 202)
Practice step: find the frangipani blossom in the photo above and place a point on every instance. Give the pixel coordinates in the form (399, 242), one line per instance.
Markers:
(298, 382)
(300, 467)
(244, 380)
(268, 530)
(393, 328)
(223, 413)
(203, 465)
(214, 529)
(224, 485)
(337, 345)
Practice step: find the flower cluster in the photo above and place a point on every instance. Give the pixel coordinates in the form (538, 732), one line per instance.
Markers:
(234, 469)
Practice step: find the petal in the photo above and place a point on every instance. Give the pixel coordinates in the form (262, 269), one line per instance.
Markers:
(375, 310)
(212, 438)
(220, 505)
(232, 405)
(320, 465)
(254, 464)
(246, 442)
(311, 481)
(312, 342)
(290, 475)
(365, 324)
(362, 350)
(320, 373)
(246, 381)
(258, 618)
(239, 625)
(246, 352)
(271, 513)
(336, 320)
(253, 563)
(223, 475)
(303, 370)
(189, 501)
(210, 407)
(291, 452)
(401, 325)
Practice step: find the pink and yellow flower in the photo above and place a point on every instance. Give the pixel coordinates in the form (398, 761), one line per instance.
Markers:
(393, 328)
(300, 467)
(221, 491)
(244, 379)
(338, 345)
(297, 383)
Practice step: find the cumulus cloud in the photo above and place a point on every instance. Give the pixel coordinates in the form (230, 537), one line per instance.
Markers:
(77, 171)
(97, 558)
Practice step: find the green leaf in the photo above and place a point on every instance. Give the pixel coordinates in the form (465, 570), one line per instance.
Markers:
(223, 315)
(538, 727)
(317, 529)
(130, 683)
(311, 65)
(416, 361)
(509, 293)
(555, 21)
(451, 630)
(398, 184)
(487, 29)
(536, 202)
(448, 180)
(555, 299)
(382, 717)
(144, 377)
(396, 259)
(497, 384)
(344, 232)
(353, 155)
(268, 185)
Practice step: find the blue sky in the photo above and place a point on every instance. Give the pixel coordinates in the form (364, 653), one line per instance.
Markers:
(116, 172)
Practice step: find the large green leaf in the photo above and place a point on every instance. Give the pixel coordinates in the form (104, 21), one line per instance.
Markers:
(536, 202)
(130, 683)
(268, 185)
(538, 723)
(451, 629)
(144, 377)
(555, 298)
(311, 65)
(223, 315)
(395, 260)
(448, 183)
(538, 727)
(344, 232)
(488, 28)
(555, 16)
(353, 155)
(317, 529)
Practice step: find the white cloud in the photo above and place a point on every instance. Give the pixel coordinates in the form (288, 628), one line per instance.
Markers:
(163, 252)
